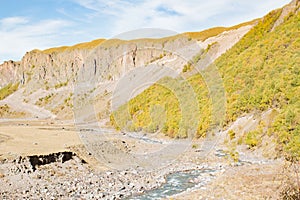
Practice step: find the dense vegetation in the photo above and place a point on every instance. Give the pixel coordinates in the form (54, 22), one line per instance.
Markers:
(169, 106)
(260, 72)
(263, 71)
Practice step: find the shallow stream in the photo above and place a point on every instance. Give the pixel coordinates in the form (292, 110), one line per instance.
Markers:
(176, 183)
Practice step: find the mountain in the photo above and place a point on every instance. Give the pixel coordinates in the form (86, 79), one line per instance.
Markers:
(45, 80)
(257, 62)
(260, 74)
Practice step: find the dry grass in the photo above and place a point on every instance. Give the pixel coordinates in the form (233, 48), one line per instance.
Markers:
(7, 112)
(85, 45)
(203, 35)
(8, 90)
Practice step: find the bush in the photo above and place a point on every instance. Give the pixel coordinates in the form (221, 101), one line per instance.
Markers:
(59, 85)
(231, 134)
(186, 67)
(260, 72)
(234, 155)
(252, 139)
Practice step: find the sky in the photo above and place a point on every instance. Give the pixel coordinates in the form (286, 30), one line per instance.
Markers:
(39, 24)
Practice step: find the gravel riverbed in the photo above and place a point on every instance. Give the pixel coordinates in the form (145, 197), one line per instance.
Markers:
(75, 179)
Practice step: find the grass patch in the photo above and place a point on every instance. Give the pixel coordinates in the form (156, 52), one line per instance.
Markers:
(85, 45)
(186, 67)
(59, 85)
(252, 139)
(8, 90)
(5, 111)
(231, 134)
(44, 100)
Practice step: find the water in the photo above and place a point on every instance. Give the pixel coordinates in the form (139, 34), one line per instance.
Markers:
(220, 153)
(143, 138)
(175, 183)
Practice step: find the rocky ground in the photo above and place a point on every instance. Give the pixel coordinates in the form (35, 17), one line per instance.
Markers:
(249, 181)
(72, 171)
(74, 178)
(71, 179)
(56, 166)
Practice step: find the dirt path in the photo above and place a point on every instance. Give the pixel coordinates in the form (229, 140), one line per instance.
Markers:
(15, 101)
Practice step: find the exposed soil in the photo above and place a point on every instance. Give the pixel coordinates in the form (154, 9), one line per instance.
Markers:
(47, 159)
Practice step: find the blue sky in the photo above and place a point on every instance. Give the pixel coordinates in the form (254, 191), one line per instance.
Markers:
(41, 24)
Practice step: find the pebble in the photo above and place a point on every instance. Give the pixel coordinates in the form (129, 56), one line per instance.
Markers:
(82, 183)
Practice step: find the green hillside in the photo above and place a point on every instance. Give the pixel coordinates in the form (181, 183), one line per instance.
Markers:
(169, 106)
(261, 71)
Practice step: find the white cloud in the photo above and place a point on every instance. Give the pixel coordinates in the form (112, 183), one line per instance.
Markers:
(10, 22)
(183, 16)
(18, 35)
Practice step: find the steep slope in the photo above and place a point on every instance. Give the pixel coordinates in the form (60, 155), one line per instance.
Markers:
(52, 79)
(260, 72)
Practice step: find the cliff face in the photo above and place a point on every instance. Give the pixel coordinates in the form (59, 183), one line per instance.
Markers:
(107, 61)
(54, 81)
(47, 78)
(10, 71)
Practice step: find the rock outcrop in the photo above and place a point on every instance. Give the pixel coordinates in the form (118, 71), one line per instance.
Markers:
(51, 77)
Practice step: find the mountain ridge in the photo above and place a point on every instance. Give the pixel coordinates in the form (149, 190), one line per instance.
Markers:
(47, 79)
(259, 73)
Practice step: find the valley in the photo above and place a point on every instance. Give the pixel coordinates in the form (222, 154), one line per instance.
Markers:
(197, 115)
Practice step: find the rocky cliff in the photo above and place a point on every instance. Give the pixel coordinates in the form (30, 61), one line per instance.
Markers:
(47, 79)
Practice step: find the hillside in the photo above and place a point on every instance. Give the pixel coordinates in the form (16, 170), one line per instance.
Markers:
(213, 114)
(260, 72)
(258, 67)
(45, 84)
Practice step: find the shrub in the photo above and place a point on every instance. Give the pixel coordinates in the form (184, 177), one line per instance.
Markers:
(252, 139)
(231, 134)
(186, 67)
(260, 72)
(234, 155)
(59, 85)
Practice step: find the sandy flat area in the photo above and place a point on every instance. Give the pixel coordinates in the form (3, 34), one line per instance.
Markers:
(34, 139)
